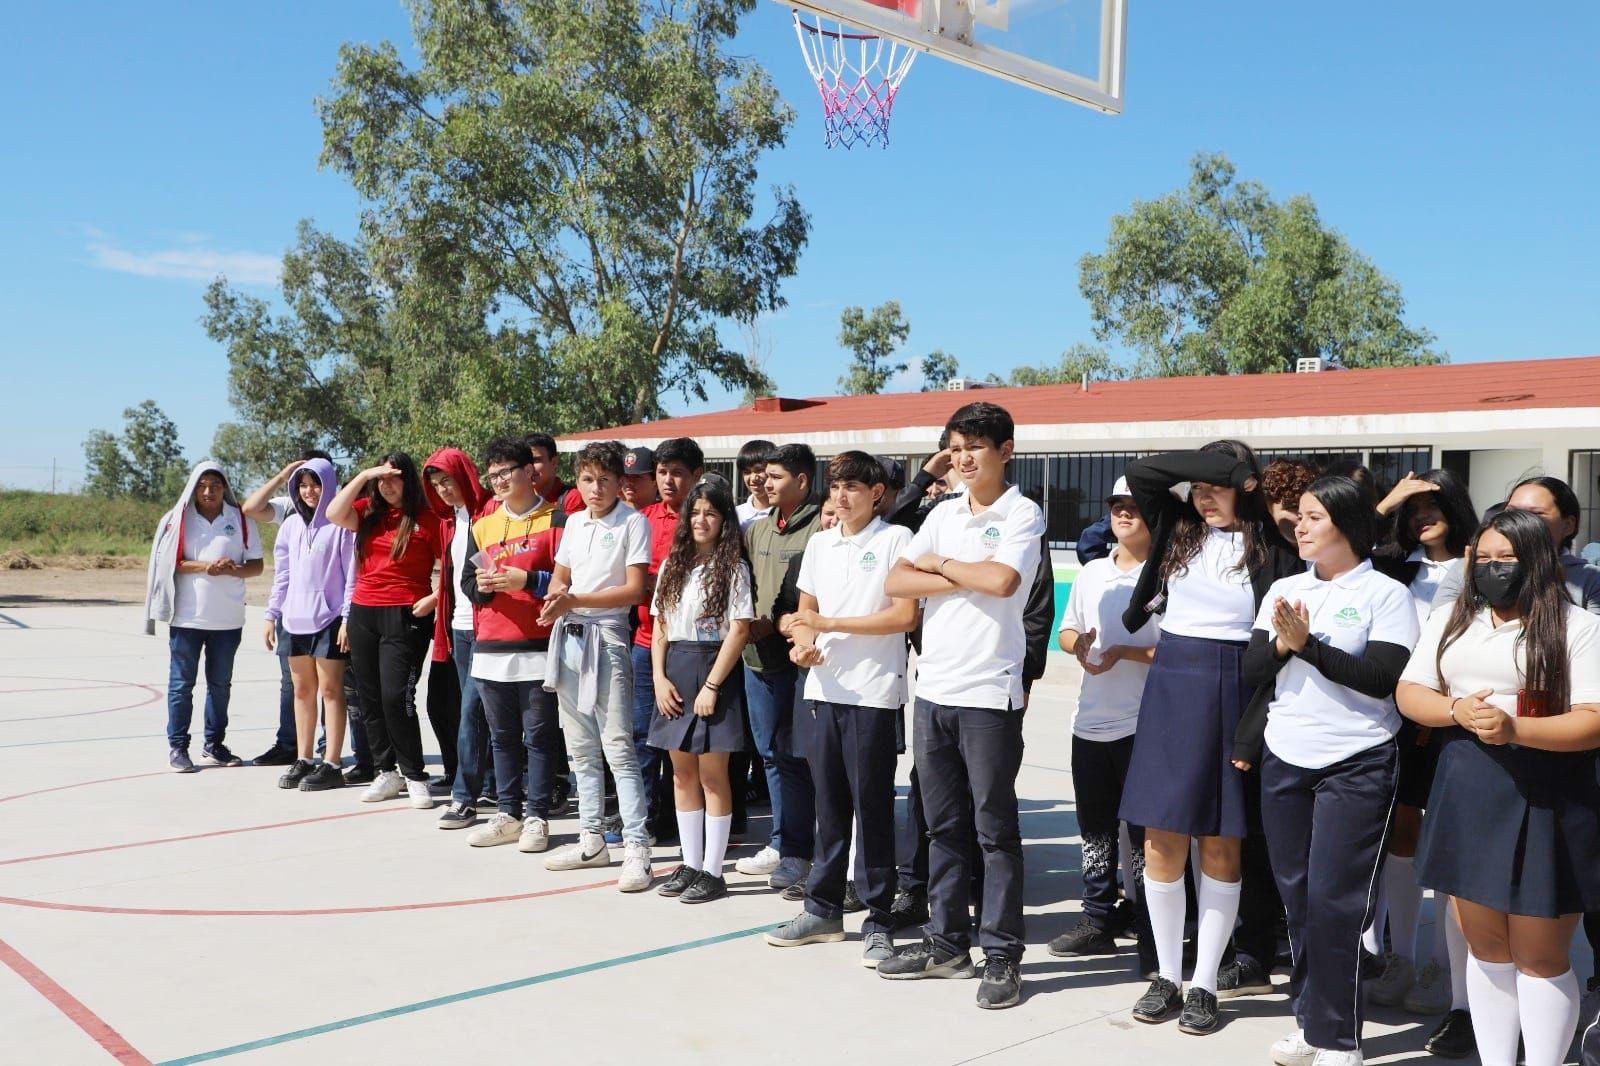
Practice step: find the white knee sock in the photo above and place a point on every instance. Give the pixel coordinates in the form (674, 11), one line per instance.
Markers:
(1405, 903)
(1456, 949)
(1548, 1007)
(1492, 990)
(1167, 904)
(692, 838)
(717, 828)
(1219, 906)
(1372, 935)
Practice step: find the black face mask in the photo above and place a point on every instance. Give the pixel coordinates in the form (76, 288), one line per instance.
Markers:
(1497, 583)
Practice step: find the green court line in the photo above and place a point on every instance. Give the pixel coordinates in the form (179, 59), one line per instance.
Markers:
(458, 997)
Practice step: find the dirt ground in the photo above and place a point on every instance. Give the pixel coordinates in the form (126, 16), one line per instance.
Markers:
(94, 588)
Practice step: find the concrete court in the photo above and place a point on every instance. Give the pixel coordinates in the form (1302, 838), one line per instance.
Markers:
(148, 917)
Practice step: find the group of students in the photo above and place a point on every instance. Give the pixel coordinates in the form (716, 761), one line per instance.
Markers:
(1282, 673)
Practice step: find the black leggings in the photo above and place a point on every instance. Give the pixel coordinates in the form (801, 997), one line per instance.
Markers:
(385, 655)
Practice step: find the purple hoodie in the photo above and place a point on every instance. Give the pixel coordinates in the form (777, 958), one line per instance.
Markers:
(314, 561)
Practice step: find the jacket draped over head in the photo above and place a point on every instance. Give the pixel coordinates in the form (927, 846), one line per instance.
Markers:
(166, 550)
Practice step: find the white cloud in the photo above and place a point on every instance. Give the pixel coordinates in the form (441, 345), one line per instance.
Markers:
(191, 261)
(908, 380)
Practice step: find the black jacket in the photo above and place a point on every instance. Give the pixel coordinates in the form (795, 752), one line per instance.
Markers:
(1151, 481)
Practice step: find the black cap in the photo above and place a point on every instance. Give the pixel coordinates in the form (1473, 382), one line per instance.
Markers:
(639, 461)
(715, 480)
(893, 471)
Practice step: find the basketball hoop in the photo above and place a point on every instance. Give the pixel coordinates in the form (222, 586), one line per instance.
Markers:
(858, 75)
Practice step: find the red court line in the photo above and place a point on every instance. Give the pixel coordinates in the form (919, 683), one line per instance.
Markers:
(68, 688)
(68, 1004)
(151, 695)
(83, 784)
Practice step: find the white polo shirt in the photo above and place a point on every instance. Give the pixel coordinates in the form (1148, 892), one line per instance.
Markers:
(685, 621)
(1313, 722)
(1488, 656)
(202, 601)
(1211, 599)
(1108, 703)
(846, 575)
(973, 644)
(1430, 575)
(747, 513)
(599, 551)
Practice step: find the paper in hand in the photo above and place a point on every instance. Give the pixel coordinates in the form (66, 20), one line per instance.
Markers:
(484, 562)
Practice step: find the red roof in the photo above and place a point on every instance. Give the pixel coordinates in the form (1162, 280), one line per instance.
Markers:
(1533, 383)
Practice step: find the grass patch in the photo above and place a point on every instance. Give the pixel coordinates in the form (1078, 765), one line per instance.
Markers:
(44, 524)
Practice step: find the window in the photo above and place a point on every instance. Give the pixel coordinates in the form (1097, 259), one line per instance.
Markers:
(1076, 488)
(1583, 468)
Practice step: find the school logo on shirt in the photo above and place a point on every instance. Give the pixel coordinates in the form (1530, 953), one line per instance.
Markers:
(230, 529)
(869, 562)
(1347, 616)
(991, 537)
(608, 539)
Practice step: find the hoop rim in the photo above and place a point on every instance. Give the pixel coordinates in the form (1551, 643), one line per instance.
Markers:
(838, 34)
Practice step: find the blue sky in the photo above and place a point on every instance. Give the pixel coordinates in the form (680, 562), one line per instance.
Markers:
(150, 147)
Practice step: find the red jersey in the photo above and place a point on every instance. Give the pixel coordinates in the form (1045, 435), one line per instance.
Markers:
(385, 582)
(663, 526)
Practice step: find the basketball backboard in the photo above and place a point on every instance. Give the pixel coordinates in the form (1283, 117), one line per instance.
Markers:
(1068, 48)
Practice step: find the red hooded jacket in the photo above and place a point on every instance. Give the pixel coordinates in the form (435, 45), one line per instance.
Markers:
(477, 501)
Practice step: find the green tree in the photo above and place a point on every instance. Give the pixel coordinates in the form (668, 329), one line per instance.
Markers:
(872, 338)
(939, 368)
(1076, 363)
(561, 207)
(144, 462)
(1220, 278)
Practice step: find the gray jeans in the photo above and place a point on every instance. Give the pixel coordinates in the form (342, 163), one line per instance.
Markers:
(601, 734)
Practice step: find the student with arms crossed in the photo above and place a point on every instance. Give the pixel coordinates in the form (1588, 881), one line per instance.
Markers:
(971, 562)
(601, 568)
(850, 636)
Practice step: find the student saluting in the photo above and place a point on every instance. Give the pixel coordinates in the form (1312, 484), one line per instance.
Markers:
(1331, 642)
(1513, 826)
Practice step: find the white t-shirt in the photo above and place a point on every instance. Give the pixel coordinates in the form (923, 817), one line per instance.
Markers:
(973, 644)
(599, 551)
(1312, 721)
(748, 512)
(1211, 599)
(281, 507)
(203, 601)
(846, 575)
(1425, 586)
(1108, 703)
(461, 609)
(684, 621)
(1487, 656)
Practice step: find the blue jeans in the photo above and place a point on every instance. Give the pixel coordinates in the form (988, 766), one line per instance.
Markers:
(769, 700)
(285, 738)
(522, 732)
(644, 712)
(219, 646)
(474, 766)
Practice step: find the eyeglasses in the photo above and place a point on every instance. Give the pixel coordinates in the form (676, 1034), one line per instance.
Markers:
(495, 477)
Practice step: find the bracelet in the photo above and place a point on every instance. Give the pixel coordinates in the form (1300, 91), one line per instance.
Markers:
(1453, 703)
(713, 686)
(942, 564)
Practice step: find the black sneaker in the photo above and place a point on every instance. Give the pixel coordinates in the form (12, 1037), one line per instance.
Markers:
(1001, 986)
(1370, 967)
(1243, 977)
(852, 902)
(1085, 938)
(706, 887)
(1124, 921)
(1160, 1001)
(488, 802)
(324, 777)
(458, 816)
(274, 756)
(1199, 1015)
(910, 908)
(923, 959)
(678, 881)
(219, 754)
(297, 773)
(360, 775)
(794, 893)
(1454, 1038)
(178, 759)
(559, 796)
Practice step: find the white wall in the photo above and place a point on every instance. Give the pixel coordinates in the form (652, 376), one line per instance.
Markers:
(1494, 472)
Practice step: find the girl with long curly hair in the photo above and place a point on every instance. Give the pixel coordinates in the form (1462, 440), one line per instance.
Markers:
(703, 606)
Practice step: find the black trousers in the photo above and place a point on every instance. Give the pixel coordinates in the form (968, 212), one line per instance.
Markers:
(1260, 907)
(852, 761)
(444, 710)
(1327, 829)
(912, 842)
(970, 756)
(385, 657)
(1099, 769)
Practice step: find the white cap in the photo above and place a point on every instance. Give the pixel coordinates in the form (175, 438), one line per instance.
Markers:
(1119, 489)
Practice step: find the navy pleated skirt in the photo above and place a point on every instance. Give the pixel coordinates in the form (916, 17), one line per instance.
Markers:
(1419, 760)
(1513, 829)
(1181, 777)
(689, 663)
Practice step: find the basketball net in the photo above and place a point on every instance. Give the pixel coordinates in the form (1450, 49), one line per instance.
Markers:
(858, 75)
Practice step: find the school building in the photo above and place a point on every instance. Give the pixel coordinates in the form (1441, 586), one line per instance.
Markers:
(1491, 423)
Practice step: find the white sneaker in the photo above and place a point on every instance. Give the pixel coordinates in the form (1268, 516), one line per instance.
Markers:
(761, 864)
(1390, 987)
(1329, 1057)
(636, 875)
(536, 835)
(1431, 994)
(590, 850)
(421, 795)
(1293, 1050)
(386, 786)
(500, 829)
